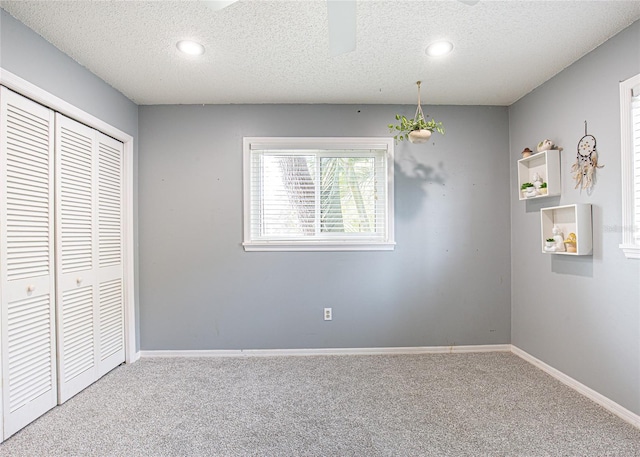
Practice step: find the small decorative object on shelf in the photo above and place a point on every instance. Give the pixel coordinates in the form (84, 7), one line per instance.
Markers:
(555, 244)
(418, 129)
(558, 238)
(571, 242)
(545, 145)
(526, 153)
(537, 181)
(543, 189)
(528, 190)
(584, 170)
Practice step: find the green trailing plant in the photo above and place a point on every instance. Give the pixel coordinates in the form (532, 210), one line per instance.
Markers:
(406, 126)
(526, 185)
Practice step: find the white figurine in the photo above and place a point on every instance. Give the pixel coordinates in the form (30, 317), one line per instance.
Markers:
(537, 181)
(559, 239)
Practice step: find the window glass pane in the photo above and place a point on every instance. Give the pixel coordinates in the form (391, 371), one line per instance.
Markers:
(288, 195)
(348, 194)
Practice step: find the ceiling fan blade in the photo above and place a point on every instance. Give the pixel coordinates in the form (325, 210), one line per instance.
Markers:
(217, 5)
(342, 26)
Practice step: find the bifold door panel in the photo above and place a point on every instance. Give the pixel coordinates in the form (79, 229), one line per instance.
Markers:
(26, 261)
(75, 251)
(110, 271)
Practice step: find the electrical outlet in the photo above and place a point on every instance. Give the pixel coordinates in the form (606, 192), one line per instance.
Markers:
(327, 314)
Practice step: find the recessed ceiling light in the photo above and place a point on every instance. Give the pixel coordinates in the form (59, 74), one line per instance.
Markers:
(439, 48)
(190, 47)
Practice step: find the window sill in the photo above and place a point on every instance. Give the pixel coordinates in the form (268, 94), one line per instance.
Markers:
(317, 246)
(631, 251)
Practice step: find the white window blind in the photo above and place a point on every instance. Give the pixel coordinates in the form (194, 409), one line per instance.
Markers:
(635, 132)
(630, 165)
(318, 194)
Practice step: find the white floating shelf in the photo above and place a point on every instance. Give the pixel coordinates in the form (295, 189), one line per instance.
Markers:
(569, 219)
(547, 165)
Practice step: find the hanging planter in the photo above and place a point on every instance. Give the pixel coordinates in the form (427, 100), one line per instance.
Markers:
(419, 136)
(418, 129)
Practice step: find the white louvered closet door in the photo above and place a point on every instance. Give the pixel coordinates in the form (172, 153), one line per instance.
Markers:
(89, 255)
(26, 261)
(111, 348)
(76, 243)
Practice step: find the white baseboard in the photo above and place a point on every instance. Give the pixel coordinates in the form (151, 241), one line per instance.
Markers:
(329, 351)
(591, 394)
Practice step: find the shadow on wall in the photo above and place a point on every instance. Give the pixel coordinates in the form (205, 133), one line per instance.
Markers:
(411, 180)
(572, 265)
(534, 206)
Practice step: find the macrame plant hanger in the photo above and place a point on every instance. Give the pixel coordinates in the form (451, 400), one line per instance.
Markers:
(420, 135)
(419, 108)
(584, 170)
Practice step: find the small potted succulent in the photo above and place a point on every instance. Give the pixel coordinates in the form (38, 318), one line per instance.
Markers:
(549, 244)
(528, 190)
(417, 130)
(543, 189)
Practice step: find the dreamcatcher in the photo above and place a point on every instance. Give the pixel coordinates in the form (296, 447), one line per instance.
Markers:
(584, 170)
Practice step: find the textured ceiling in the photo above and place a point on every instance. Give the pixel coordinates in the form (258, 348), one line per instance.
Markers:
(278, 52)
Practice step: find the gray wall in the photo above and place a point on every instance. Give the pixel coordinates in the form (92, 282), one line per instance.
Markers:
(29, 56)
(446, 283)
(580, 315)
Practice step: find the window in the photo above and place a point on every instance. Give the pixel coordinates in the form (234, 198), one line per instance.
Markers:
(318, 194)
(630, 142)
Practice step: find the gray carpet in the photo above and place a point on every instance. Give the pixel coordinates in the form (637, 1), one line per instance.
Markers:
(489, 404)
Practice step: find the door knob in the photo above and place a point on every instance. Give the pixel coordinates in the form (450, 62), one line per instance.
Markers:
(31, 288)
(78, 281)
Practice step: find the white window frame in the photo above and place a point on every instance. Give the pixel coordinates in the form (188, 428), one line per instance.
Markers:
(328, 144)
(630, 236)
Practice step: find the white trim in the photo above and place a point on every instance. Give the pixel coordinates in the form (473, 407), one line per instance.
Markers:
(364, 143)
(317, 246)
(129, 258)
(631, 251)
(629, 245)
(591, 394)
(328, 351)
(39, 95)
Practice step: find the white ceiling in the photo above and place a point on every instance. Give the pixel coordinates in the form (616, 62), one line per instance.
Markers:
(262, 51)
